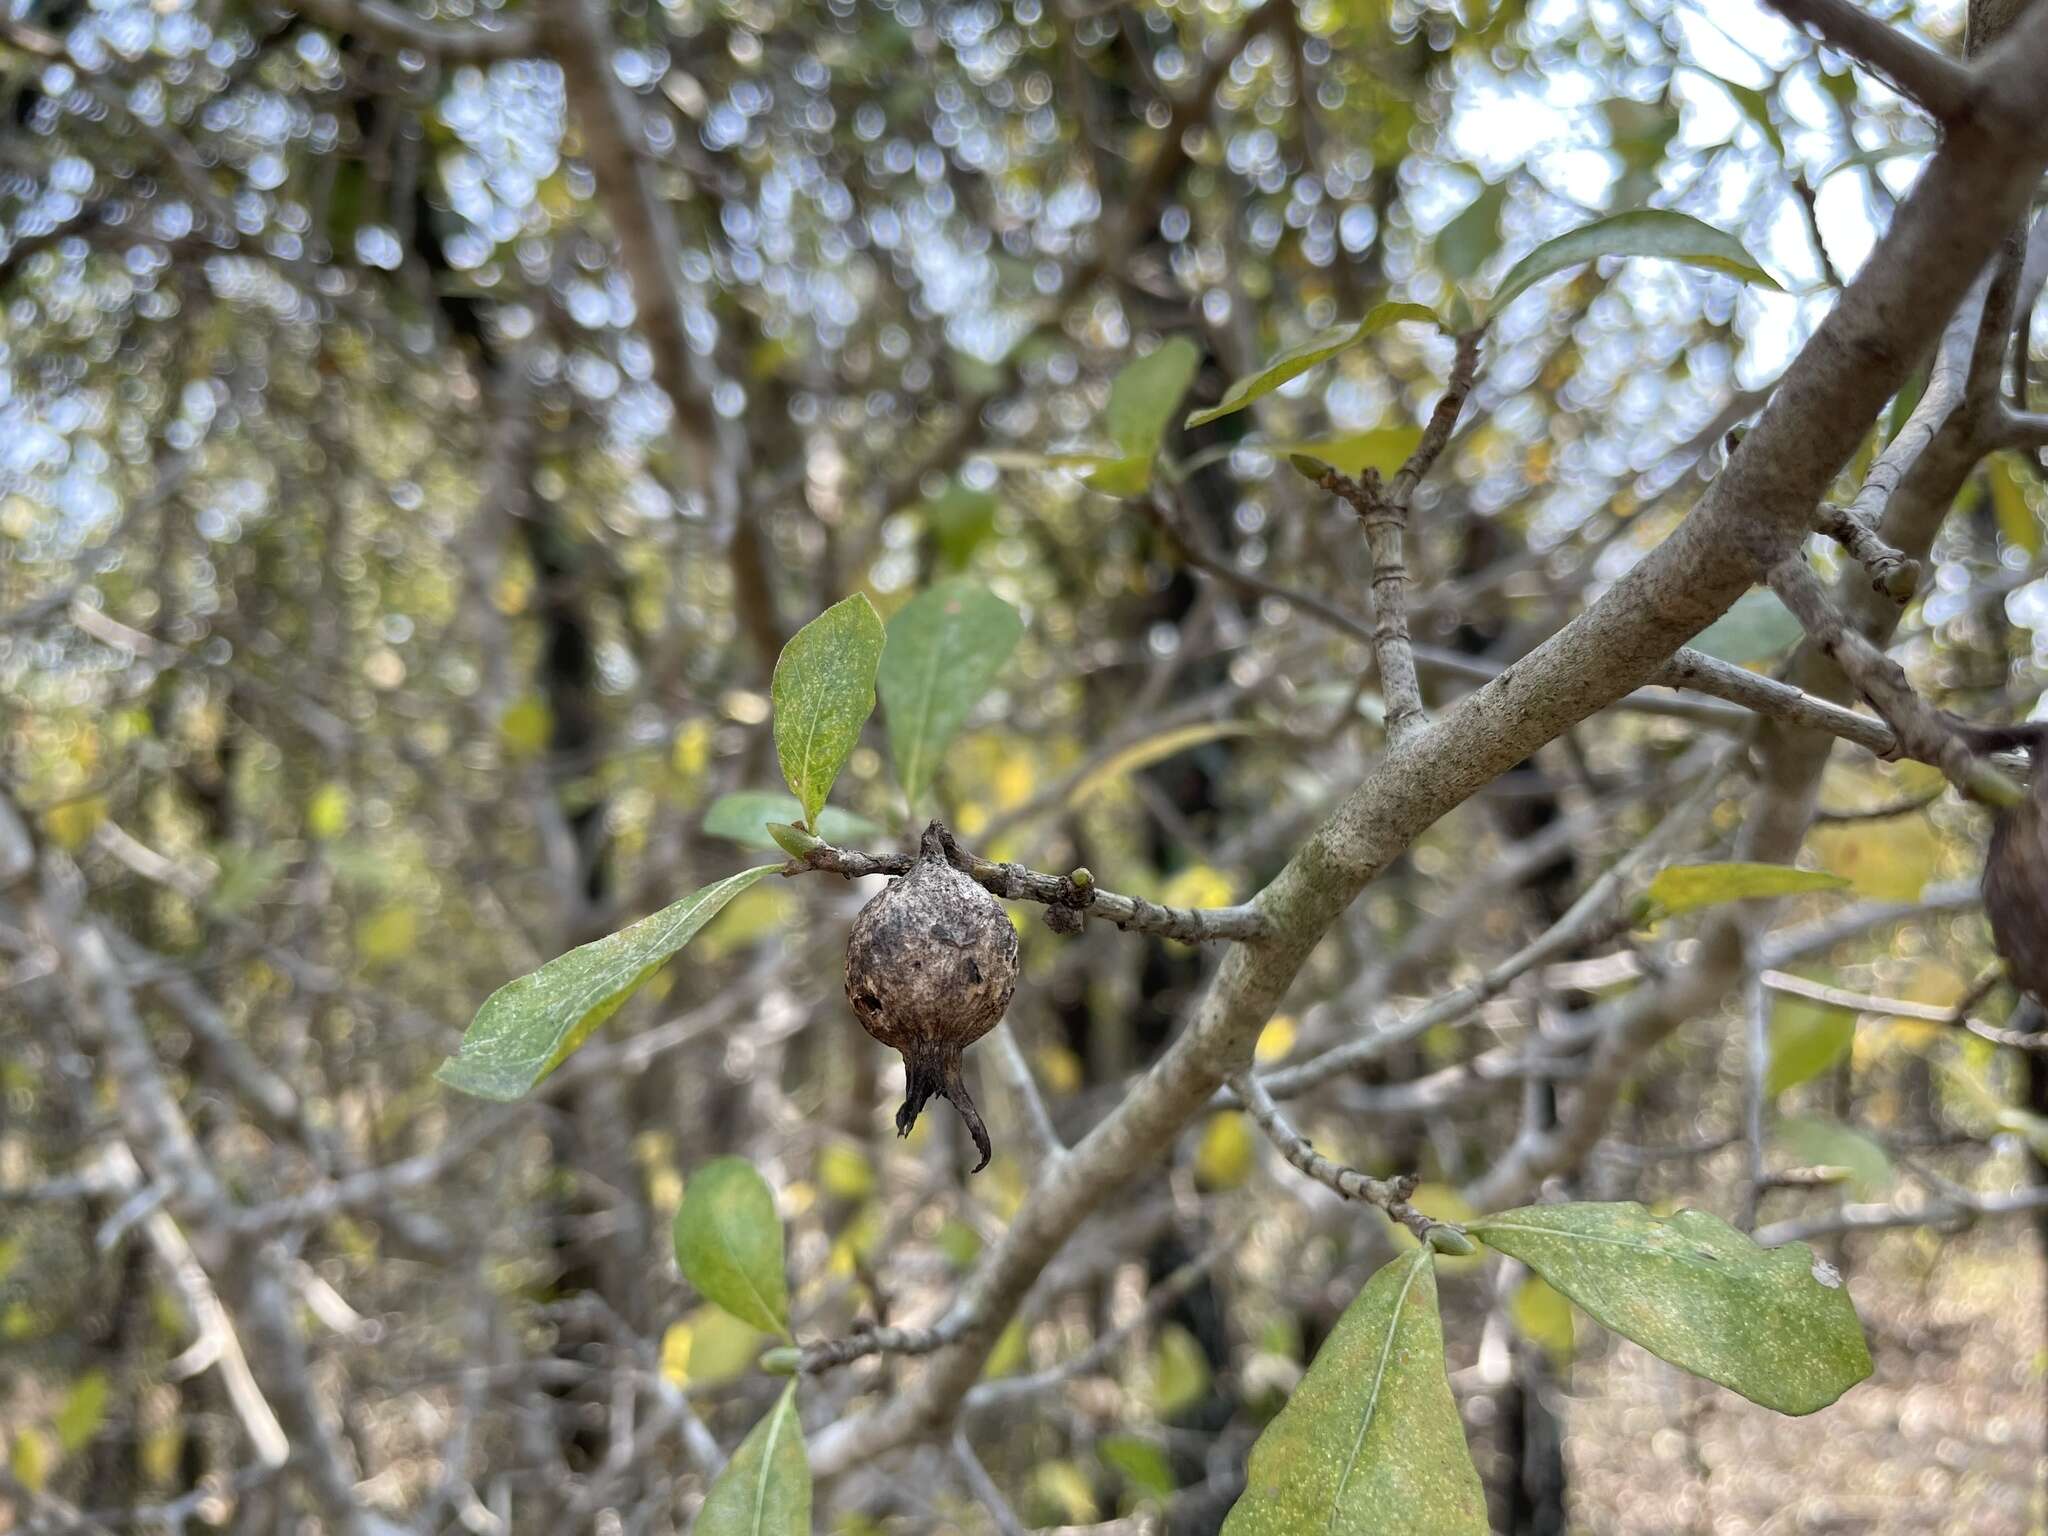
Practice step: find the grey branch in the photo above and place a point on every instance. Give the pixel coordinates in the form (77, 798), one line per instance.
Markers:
(1934, 81)
(1920, 727)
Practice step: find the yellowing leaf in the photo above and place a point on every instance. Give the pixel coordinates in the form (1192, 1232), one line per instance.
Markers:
(72, 823)
(82, 1412)
(1199, 885)
(1154, 749)
(1275, 1040)
(1224, 1158)
(32, 1459)
(327, 812)
(1544, 1318)
(844, 1171)
(386, 934)
(1687, 887)
(525, 726)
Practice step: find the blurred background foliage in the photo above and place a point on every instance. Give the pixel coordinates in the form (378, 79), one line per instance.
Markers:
(370, 632)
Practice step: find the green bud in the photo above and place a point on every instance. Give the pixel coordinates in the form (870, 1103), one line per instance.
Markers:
(782, 1360)
(1082, 877)
(794, 841)
(1451, 1240)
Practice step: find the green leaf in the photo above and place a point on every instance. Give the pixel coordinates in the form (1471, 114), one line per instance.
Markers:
(1127, 476)
(765, 1490)
(1688, 887)
(1756, 628)
(960, 519)
(1142, 1463)
(945, 647)
(1370, 1442)
(528, 1027)
(1463, 245)
(823, 692)
(1807, 1141)
(1774, 1324)
(745, 814)
(729, 1243)
(1807, 1039)
(82, 1412)
(1385, 449)
(1645, 232)
(1298, 360)
(1144, 393)
(1180, 1372)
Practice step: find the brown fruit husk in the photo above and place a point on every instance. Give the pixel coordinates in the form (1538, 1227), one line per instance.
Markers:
(930, 966)
(2016, 885)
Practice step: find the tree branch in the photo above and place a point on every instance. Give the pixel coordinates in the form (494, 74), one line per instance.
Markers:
(1932, 80)
(1919, 727)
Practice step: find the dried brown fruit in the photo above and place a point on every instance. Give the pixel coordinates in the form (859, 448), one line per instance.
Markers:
(2016, 885)
(930, 966)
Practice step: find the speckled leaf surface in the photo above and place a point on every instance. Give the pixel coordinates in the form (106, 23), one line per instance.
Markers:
(1774, 1324)
(528, 1027)
(823, 692)
(945, 647)
(1370, 1442)
(765, 1490)
(729, 1243)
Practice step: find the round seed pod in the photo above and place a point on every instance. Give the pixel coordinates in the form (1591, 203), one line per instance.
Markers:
(2016, 885)
(930, 966)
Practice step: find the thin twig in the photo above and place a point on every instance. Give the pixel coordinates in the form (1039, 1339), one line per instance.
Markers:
(1388, 1195)
(1920, 728)
(1074, 893)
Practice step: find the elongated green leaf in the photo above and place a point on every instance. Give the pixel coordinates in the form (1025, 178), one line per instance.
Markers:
(765, 1490)
(1384, 449)
(729, 1243)
(744, 815)
(1298, 360)
(1645, 232)
(1370, 1442)
(1812, 1142)
(945, 647)
(1807, 1038)
(1144, 393)
(1463, 245)
(1687, 887)
(1774, 1324)
(83, 1411)
(528, 1027)
(823, 692)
